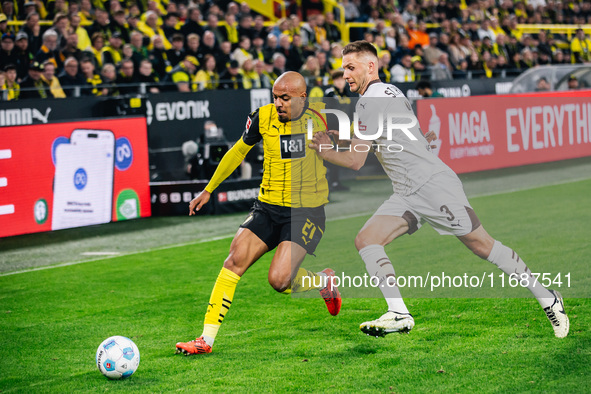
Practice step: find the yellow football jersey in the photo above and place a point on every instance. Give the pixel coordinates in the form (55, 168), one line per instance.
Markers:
(293, 174)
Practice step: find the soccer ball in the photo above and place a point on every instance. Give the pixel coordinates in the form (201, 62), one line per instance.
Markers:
(117, 357)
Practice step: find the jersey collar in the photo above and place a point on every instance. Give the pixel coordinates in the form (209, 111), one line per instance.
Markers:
(303, 111)
(371, 83)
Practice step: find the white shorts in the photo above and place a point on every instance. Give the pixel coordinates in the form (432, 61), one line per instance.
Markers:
(441, 202)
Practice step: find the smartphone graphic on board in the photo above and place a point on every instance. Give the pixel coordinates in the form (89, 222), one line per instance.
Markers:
(83, 183)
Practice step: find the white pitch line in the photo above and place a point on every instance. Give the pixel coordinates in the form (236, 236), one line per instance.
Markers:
(7, 209)
(5, 153)
(119, 255)
(232, 235)
(510, 191)
(351, 216)
(100, 253)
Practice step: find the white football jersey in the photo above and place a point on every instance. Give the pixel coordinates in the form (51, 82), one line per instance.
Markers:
(400, 146)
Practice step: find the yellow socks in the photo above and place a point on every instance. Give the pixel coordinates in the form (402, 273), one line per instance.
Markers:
(307, 280)
(219, 303)
(223, 293)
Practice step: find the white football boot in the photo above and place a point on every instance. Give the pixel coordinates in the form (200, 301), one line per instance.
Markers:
(557, 316)
(388, 323)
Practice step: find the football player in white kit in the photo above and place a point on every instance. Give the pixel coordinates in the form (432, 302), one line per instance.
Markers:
(425, 190)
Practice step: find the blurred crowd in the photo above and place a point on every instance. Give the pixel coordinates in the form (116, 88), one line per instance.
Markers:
(112, 47)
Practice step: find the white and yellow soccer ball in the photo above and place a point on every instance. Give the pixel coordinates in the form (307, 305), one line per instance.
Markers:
(117, 357)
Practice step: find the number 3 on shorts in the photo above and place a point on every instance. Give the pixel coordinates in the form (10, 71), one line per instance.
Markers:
(308, 231)
(446, 210)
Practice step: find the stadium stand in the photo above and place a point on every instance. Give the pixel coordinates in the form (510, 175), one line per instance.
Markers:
(416, 40)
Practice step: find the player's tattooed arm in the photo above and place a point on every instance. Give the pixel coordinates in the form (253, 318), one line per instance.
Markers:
(353, 158)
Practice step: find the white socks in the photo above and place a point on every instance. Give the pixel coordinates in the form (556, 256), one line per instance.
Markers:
(510, 263)
(378, 264)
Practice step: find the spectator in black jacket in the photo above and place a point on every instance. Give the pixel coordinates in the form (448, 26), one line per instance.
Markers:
(71, 48)
(93, 80)
(224, 56)
(25, 57)
(126, 77)
(108, 76)
(60, 26)
(192, 25)
(70, 78)
(208, 45)
(119, 25)
(8, 54)
(169, 26)
(148, 76)
(402, 50)
(101, 24)
(140, 52)
(159, 58)
(231, 77)
(33, 86)
(48, 50)
(177, 52)
(544, 46)
(113, 52)
(333, 34)
(269, 48)
(259, 29)
(293, 62)
(192, 47)
(33, 30)
(245, 27)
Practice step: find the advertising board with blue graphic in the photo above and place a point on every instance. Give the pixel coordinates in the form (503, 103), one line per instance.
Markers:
(73, 174)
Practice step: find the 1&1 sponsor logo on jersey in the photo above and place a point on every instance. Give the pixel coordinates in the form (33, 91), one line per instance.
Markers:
(293, 146)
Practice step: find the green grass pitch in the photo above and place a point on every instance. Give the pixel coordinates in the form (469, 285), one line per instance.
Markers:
(51, 321)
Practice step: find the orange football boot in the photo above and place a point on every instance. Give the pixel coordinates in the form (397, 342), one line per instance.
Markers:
(331, 293)
(196, 346)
